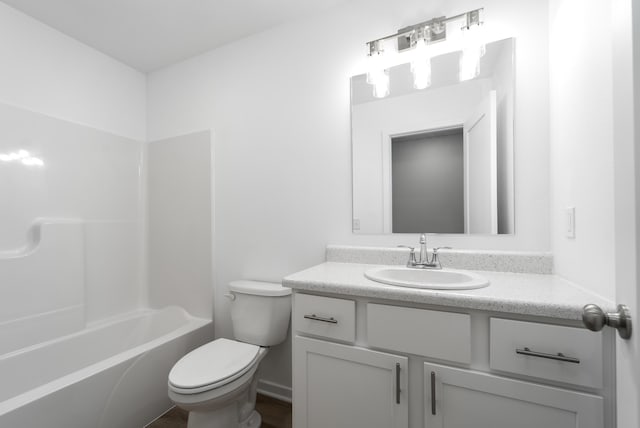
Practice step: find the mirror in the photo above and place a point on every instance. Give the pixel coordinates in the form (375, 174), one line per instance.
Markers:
(438, 160)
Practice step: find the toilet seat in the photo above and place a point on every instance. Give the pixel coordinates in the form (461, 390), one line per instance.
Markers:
(212, 365)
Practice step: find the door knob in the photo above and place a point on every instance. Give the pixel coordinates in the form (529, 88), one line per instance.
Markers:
(594, 318)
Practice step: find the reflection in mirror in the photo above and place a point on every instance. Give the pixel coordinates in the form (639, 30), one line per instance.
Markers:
(438, 160)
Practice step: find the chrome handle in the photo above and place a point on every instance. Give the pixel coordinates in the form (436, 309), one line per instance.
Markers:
(315, 317)
(433, 393)
(559, 356)
(594, 318)
(435, 250)
(398, 383)
(412, 255)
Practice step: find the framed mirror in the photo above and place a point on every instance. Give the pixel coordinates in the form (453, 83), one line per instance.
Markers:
(437, 160)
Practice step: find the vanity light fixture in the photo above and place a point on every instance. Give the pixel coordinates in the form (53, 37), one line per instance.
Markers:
(420, 40)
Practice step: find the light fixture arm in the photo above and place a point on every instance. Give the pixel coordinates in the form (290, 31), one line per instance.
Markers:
(435, 25)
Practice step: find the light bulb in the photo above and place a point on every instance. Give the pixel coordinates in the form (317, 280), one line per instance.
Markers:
(381, 84)
(377, 75)
(473, 48)
(421, 65)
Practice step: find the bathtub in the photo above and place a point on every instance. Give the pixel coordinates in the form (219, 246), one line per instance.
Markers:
(112, 374)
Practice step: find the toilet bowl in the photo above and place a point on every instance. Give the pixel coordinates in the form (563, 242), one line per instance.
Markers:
(216, 382)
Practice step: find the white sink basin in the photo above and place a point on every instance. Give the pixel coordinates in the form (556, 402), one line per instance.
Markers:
(436, 279)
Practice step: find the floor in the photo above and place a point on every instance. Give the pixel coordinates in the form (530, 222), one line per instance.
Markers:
(275, 414)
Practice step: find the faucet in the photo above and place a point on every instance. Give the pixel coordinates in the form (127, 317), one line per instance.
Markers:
(424, 262)
(423, 249)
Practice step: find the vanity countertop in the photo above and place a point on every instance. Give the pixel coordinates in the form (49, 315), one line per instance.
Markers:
(515, 293)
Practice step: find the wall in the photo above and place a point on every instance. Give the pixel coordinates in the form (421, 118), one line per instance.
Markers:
(278, 105)
(581, 138)
(48, 72)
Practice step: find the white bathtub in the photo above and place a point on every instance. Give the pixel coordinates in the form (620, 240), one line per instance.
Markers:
(110, 375)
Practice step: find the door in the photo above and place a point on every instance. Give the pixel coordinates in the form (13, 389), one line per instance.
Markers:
(481, 168)
(626, 133)
(347, 387)
(461, 398)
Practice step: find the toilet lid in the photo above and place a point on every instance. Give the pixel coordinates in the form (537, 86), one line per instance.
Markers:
(218, 362)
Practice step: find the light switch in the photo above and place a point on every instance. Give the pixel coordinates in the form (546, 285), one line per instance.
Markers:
(570, 222)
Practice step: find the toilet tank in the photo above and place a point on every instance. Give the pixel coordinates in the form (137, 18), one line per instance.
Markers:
(260, 312)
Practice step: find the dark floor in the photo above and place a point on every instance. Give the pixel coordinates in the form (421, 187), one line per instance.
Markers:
(275, 414)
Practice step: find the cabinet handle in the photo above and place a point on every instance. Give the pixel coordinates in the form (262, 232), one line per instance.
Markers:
(398, 383)
(433, 393)
(314, 317)
(559, 356)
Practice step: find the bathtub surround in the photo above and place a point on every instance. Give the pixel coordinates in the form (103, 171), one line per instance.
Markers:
(57, 277)
(89, 177)
(179, 206)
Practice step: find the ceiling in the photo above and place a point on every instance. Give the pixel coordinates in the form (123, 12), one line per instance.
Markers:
(151, 34)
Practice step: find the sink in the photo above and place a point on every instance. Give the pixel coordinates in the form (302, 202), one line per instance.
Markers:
(435, 279)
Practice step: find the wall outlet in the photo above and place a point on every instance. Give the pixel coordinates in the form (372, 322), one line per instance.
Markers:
(570, 222)
(356, 224)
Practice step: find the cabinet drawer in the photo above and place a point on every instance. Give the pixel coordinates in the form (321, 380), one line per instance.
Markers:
(325, 317)
(435, 334)
(533, 349)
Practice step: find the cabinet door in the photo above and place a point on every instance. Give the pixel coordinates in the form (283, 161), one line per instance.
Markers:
(339, 386)
(469, 399)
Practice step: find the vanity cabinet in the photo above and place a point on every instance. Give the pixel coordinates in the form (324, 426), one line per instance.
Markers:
(348, 386)
(359, 362)
(460, 398)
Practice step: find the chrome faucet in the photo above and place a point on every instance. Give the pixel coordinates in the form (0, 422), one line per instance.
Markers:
(424, 262)
(423, 249)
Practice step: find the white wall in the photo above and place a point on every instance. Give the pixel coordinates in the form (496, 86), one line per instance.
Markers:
(278, 105)
(581, 141)
(48, 72)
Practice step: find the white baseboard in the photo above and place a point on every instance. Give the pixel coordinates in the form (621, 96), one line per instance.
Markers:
(274, 390)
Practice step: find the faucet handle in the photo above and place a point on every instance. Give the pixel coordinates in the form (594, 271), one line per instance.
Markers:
(434, 258)
(412, 254)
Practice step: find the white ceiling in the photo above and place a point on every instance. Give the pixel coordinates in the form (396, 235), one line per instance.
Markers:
(151, 34)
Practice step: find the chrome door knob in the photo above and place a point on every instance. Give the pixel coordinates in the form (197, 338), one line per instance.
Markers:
(594, 318)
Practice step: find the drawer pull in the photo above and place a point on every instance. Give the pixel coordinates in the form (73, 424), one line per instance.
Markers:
(314, 317)
(559, 356)
(433, 393)
(398, 383)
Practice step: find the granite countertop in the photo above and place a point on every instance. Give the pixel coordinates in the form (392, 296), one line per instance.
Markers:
(515, 293)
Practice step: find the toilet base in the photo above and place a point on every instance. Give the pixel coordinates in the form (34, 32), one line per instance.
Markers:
(253, 421)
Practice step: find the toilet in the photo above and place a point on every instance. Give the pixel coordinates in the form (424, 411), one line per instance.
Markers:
(216, 382)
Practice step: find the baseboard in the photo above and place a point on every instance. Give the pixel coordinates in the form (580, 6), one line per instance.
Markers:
(274, 390)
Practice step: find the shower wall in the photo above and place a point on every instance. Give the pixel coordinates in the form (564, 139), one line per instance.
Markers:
(70, 224)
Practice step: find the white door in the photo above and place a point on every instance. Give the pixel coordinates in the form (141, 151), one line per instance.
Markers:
(461, 398)
(626, 103)
(480, 168)
(339, 386)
